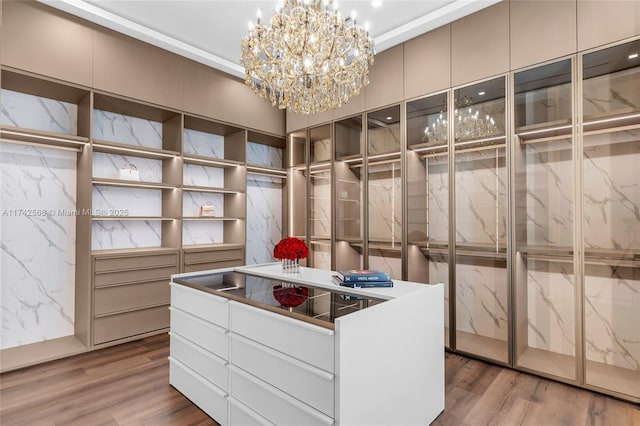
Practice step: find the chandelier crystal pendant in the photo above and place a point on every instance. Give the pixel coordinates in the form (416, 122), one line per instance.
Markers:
(308, 59)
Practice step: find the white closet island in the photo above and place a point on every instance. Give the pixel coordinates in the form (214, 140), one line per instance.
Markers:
(254, 345)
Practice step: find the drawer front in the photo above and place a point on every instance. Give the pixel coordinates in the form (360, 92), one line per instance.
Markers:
(208, 336)
(271, 403)
(213, 265)
(209, 366)
(119, 326)
(130, 296)
(201, 304)
(134, 276)
(306, 342)
(106, 264)
(212, 256)
(309, 384)
(240, 414)
(209, 398)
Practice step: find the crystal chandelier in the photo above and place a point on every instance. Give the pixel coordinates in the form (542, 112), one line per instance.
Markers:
(467, 121)
(309, 59)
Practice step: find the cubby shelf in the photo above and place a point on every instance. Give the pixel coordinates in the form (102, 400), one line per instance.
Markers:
(30, 136)
(160, 218)
(194, 188)
(210, 218)
(210, 161)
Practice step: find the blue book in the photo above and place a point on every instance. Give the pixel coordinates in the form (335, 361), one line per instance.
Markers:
(359, 275)
(367, 284)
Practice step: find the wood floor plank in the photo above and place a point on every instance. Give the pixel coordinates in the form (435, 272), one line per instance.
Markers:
(129, 385)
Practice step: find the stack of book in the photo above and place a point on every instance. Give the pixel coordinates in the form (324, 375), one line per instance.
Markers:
(363, 278)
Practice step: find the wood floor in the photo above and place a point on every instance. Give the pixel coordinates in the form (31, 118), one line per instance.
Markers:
(129, 385)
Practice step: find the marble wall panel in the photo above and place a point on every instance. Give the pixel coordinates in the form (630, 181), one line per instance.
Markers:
(37, 243)
(203, 176)
(321, 150)
(202, 143)
(38, 113)
(438, 198)
(321, 256)
(544, 105)
(264, 155)
(439, 273)
(106, 166)
(612, 93)
(549, 193)
(192, 201)
(550, 306)
(202, 232)
(383, 139)
(126, 129)
(124, 234)
(389, 263)
(612, 297)
(264, 223)
(481, 300)
(111, 201)
(481, 197)
(385, 202)
(612, 190)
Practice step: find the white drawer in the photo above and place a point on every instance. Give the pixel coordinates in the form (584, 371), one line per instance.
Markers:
(204, 305)
(209, 366)
(271, 403)
(202, 333)
(309, 384)
(306, 342)
(209, 398)
(241, 415)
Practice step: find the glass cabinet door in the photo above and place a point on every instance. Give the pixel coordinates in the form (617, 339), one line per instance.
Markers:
(481, 220)
(349, 193)
(297, 201)
(384, 191)
(427, 168)
(544, 294)
(611, 225)
(320, 205)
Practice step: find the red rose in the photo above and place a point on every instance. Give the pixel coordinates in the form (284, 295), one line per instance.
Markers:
(291, 248)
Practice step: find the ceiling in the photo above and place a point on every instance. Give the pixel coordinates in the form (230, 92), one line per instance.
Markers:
(210, 31)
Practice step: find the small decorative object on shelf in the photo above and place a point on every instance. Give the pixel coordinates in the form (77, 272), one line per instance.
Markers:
(290, 250)
(289, 295)
(208, 210)
(129, 171)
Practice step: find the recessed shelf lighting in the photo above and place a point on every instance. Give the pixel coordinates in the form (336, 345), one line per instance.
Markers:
(633, 56)
(376, 3)
(481, 93)
(389, 118)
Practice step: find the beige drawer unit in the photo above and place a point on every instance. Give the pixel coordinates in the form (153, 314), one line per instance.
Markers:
(202, 259)
(131, 293)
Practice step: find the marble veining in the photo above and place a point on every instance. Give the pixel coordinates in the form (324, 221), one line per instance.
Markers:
(264, 155)
(38, 113)
(204, 144)
(203, 176)
(438, 199)
(321, 150)
(126, 129)
(107, 166)
(385, 202)
(264, 221)
(549, 198)
(321, 256)
(37, 244)
(202, 232)
(111, 200)
(611, 93)
(550, 306)
(389, 263)
(481, 197)
(612, 297)
(124, 234)
(192, 201)
(612, 190)
(481, 300)
(383, 139)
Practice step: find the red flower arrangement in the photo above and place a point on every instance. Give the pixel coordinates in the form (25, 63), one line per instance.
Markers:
(290, 297)
(291, 248)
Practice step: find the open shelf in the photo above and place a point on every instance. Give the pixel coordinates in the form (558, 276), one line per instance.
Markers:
(624, 118)
(29, 136)
(609, 377)
(133, 218)
(486, 347)
(210, 218)
(207, 161)
(194, 188)
(545, 131)
(36, 353)
(131, 183)
(135, 150)
(267, 171)
(137, 250)
(208, 247)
